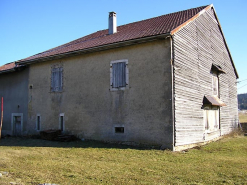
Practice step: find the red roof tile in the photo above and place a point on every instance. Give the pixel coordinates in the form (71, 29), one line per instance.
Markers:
(155, 26)
(7, 66)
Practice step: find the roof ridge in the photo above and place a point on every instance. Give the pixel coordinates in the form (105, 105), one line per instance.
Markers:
(158, 25)
(164, 15)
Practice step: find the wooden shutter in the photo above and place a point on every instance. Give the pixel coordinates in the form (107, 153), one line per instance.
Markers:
(215, 85)
(60, 79)
(211, 119)
(56, 82)
(119, 74)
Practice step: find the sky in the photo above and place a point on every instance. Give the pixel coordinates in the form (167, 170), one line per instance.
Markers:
(28, 27)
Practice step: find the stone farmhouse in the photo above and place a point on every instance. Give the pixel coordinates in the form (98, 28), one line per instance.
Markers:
(167, 81)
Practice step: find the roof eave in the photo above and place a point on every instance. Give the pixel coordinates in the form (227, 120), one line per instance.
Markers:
(96, 48)
(235, 70)
(7, 70)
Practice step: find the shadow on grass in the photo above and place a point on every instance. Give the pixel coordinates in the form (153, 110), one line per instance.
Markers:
(31, 142)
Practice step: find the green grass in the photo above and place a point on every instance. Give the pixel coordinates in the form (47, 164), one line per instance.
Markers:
(33, 161)
(242, 117)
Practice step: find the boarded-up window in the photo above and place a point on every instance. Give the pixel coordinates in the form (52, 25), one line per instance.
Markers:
(119, 74)
(215, 84)
(57, 79)
(211, 118)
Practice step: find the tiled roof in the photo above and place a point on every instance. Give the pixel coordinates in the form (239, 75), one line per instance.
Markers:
(7, 66)
(155, 26)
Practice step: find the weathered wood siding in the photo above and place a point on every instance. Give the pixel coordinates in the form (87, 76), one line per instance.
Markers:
(196, 47)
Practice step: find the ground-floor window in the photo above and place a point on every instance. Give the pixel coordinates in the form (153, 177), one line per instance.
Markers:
(38, 122)
(119, 129)
(61, 121)
(211, 118)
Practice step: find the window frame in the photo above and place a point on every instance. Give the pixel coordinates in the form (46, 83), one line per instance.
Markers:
(38, 123)
(215, 84)
(209, 126)
(126, 75)
(119, 129)
(61, 125)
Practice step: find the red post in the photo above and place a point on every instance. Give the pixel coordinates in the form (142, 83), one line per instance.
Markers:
(1, 117)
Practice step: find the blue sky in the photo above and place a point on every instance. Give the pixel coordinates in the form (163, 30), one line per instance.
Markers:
(29, 27)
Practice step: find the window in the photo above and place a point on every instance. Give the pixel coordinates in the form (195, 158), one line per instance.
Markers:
(215, 84)
(119, 74)
(119, 129)
(61, 121)
(38, 122)
(216, 70)
(211, 118)
(57, 79)
(212, 102)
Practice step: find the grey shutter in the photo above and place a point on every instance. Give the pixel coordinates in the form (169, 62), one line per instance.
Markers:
(60, 79)
(215, 85)
(118, 75)
(56, 79)
(57, 76)
(53, 80)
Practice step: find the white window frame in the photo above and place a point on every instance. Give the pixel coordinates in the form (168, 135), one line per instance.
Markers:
(126, 76)
(61, 115)
(38, 115)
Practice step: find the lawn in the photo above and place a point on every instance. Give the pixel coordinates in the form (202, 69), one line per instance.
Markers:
(34, 161)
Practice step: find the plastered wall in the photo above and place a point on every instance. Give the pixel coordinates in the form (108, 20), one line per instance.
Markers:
(14, 90)
(92, 111)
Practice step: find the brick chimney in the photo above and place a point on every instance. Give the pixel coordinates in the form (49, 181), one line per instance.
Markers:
(112, 23)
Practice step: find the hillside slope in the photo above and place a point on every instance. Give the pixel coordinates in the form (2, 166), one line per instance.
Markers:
(242, 101)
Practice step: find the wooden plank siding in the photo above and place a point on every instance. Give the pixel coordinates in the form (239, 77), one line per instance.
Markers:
(196, 46)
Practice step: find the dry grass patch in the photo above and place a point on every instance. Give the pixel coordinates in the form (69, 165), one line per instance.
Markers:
(33, 161)
(242, 117)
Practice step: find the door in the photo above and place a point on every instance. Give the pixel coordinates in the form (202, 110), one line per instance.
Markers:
(17, 126)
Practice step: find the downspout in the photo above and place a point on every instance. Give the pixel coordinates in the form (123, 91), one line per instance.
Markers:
(172, 95)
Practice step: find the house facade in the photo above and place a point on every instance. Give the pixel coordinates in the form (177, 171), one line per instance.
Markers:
(168, 81)
(205, 87)
(86, 104)
(13, 90)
